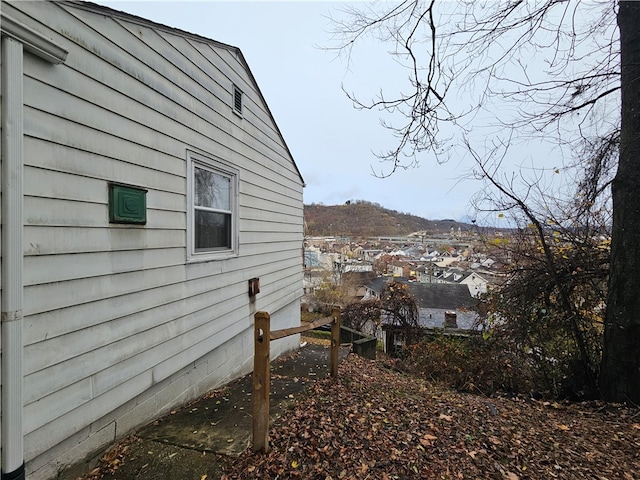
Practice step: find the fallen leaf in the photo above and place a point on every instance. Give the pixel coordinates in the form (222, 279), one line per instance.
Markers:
(427, 439)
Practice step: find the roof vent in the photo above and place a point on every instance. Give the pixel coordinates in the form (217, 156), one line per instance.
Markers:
(237, 100)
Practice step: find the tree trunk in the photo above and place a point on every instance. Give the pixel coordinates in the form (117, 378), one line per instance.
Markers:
(620, 369)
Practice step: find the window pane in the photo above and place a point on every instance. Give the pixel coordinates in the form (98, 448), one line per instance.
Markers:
(212, 190)
(213, 230)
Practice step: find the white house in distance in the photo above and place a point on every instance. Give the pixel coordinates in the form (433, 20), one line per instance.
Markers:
(476, 283)
(145, 187)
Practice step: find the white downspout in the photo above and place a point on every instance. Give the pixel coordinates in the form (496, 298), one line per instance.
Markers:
(16, 38)
(12, 458)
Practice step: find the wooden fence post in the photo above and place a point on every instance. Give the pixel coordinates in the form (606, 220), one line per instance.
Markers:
(335, 341)
(261, 381)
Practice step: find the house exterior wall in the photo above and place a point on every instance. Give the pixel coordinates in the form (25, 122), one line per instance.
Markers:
(477, 285)
(435, 318)
(119, 324)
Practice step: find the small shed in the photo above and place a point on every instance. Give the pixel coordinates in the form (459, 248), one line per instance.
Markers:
(440, 305)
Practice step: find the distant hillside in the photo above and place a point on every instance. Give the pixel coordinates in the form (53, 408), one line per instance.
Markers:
(365, 219)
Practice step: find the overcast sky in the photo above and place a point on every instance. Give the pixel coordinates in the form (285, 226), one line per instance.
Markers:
(333, 144)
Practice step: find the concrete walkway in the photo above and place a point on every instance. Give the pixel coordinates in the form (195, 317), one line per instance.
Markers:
(189, 442)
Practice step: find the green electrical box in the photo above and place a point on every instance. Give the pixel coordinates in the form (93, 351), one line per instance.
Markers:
(127, 204)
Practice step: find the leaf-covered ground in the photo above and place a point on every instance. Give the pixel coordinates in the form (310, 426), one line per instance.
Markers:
(376, 423)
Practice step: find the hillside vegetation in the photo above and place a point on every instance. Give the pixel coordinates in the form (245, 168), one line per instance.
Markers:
(365, 219)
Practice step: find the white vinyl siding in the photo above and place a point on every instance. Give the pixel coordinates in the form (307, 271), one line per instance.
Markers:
(117, 319)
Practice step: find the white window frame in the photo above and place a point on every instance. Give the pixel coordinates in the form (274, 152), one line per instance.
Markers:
(197, 160)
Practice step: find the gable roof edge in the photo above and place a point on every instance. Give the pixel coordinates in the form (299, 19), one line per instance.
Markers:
(101, 9)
